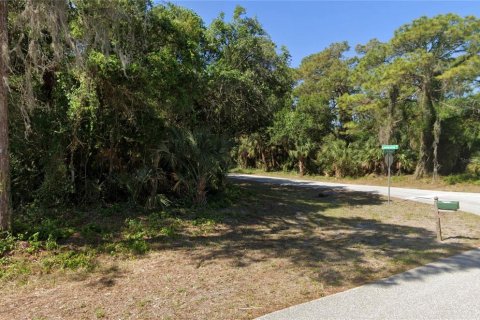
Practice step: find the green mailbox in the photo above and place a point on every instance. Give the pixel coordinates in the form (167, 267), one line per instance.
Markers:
(448, 205)
(443, 205)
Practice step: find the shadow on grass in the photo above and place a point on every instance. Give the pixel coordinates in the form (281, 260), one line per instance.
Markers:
(289, 222)
(314, 228)
(108, 277)
(465, 261)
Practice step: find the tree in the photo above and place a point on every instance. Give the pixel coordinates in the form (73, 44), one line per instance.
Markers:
(325, 76)
(424, 53)
(248, 81)
(109, 93)
(382, 92)
(5, 210)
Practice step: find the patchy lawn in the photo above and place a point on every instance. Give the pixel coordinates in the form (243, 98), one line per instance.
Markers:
(273, 247)
(459, 183)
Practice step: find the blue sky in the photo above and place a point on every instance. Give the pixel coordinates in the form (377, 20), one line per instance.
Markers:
(307, 27)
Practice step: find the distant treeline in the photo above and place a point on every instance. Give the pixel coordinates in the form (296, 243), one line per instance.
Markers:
(420, 90)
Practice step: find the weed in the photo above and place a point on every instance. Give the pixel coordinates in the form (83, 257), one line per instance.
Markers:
(4, 261)
(143, 303)
(33, 243)
(7, 243)
(51, 243)
(92, 232)
(111, 248)
(136, 244)
(53, 228)
(100, 313)
(133, 225)
(70, 260)
(14, 268)
(168, 231)
(227, 197)
(158, 219)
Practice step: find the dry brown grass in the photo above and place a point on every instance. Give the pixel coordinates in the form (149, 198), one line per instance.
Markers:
(277, 247)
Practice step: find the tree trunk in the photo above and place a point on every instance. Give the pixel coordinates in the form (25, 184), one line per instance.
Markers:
(338, 171)
(151, 202)
(437, 130)
(264, 161)
(387, 129)
(244, 159)
(201, 196)
(5, 213)
(424, 164)
(301, 166)
(393, 97)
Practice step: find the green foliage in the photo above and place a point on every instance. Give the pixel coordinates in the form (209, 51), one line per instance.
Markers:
(473, 167)
(418, 90)
(35, 221)
(140, 111)
(33, 243)
(462, 178)
(7, 243)
(248, 80)
(134, 106)
(70, 260)
(51, 243)
(121, 230)
(13, 269)
(100, 313)
(337, 159)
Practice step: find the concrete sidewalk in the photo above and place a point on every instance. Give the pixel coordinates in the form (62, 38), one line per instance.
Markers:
(447, 289)
(469, 201)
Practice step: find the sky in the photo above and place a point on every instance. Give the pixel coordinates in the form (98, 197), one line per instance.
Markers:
(307, 27)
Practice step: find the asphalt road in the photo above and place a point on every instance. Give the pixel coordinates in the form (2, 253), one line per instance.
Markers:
(447, 289)
(469, 201)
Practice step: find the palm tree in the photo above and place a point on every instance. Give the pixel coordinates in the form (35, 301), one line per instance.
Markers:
(199, 161)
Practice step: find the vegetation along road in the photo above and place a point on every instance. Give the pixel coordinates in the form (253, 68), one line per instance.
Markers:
(469, 201)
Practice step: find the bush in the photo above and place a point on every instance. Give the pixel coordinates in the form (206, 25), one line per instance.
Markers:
(462, 178)
(473, 167)
(337, 158)
(7, 243)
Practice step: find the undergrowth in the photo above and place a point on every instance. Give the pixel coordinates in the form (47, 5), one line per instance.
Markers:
(45, 241)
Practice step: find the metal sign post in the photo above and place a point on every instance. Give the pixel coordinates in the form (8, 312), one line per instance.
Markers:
(388, 162)
(389, 150)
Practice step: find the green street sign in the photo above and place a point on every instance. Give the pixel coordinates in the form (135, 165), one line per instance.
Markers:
(388, 150)
(389, 146)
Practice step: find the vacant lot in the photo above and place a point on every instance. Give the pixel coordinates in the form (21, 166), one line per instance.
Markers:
(273, 247)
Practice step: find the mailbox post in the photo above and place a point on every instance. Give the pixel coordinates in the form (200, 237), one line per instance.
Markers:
(437, 216)
(443, 205)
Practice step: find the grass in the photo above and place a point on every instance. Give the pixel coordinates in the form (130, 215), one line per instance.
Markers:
(459, 183)
(73, 240)
(262, 248)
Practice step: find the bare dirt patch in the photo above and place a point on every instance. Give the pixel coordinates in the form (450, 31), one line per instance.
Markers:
(276, 247)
